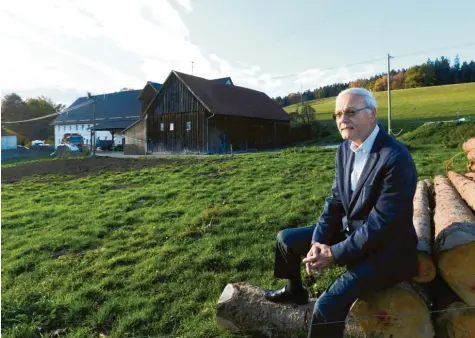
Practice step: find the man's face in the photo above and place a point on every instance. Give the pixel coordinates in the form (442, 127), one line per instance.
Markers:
(358, 127)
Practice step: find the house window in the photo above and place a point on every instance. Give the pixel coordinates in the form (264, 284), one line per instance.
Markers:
(162, 126)
(188, 126)
(172, 127)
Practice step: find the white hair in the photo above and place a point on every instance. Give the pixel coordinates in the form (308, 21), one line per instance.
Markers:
(369, 98)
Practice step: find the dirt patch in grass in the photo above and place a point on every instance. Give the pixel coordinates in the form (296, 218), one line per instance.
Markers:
(83, 167)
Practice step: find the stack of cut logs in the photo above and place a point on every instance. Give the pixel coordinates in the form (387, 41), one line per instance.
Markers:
(438, 302)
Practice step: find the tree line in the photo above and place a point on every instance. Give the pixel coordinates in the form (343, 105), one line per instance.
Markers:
(14, 108)
(430, 73)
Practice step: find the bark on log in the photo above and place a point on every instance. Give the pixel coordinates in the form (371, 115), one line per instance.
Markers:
(464, 186)
(469, 145)
(454, 243)
(470, 175)
(423, 226)
(242, 308)
(400, 311)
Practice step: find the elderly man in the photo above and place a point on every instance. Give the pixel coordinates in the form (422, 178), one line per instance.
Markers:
(366, 224)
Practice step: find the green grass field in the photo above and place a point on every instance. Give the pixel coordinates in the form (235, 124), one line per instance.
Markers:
(146, 253)
(410, 108)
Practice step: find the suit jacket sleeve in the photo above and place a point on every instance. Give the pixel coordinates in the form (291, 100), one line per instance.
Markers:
(394, 198)
(329, 221)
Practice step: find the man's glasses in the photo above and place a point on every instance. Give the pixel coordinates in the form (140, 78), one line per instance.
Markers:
(350, 113)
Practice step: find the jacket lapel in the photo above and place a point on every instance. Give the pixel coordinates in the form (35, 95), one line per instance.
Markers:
(373, 158)
(350, 155)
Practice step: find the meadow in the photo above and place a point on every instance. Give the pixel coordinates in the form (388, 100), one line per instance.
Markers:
(410, 108)
(147, 252)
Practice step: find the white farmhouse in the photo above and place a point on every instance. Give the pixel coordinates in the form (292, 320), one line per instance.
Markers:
(113, 113)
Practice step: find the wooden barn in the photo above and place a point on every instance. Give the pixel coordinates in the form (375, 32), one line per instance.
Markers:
(190, 114)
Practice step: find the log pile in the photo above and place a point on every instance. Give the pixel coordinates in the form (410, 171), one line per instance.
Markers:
(436, 303)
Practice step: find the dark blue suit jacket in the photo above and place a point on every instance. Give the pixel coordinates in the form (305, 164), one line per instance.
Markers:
(377, 216)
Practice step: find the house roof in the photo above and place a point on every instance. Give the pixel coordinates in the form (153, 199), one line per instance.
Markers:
(113, 106)
(119, 124)
(233, 100)
(224, 80)
(155, 85)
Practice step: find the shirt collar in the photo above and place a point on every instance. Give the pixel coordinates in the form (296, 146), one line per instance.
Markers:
(366, 146)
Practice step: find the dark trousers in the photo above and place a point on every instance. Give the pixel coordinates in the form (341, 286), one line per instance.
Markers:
(333, 305)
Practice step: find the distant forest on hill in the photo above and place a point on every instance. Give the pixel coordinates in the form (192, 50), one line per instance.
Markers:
(431, 73)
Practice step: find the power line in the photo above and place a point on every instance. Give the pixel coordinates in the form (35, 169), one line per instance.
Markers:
(468, 44)
(331, 68)
(436, 50)
(50, 115)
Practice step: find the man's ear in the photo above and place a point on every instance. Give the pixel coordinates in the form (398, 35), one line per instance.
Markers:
(373, 115)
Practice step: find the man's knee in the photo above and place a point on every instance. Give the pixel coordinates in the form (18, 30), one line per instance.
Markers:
(283, 237)
(329, 309)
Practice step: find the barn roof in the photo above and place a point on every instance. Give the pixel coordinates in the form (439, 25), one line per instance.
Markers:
(120, 105)
(224, 99)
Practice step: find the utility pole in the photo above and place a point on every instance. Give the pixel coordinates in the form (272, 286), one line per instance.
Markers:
(192, 66)
(389, 93)
(93, 145)
(301, 96)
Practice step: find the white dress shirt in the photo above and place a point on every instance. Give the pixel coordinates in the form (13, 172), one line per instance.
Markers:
(361, 155)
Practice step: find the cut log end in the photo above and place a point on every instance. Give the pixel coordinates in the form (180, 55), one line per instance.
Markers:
(458, 270)
(396, 312)
(456, 323)
(426, 268)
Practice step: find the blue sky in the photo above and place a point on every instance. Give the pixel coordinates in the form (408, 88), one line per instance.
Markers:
(62, 49)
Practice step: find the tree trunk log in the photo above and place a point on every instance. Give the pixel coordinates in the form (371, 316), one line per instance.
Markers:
(243, 308)
(400, 311)
(455, 319)
(469, 145)
(464, 186)
(423, 226)
(454, 243)
(457, 322)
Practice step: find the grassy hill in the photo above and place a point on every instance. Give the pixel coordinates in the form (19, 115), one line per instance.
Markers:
(410, 108)
(147, 252)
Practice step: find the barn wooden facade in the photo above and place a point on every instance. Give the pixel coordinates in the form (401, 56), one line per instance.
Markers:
(194, 115)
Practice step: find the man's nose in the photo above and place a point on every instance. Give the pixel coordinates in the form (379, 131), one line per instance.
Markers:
(345, 118)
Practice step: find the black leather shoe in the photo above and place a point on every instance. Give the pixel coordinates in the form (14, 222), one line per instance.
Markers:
(284, 296)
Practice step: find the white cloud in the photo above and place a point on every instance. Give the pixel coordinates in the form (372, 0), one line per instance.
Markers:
(102, 46)
(186, 4)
